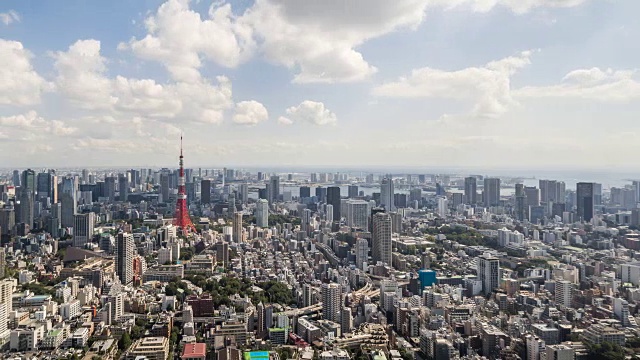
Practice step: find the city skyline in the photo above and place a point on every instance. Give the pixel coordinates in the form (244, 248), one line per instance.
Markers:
(113, 88)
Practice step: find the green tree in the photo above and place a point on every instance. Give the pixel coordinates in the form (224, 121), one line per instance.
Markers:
(124, 342)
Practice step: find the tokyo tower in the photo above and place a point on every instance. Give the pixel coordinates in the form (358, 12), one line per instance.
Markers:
(181, 218)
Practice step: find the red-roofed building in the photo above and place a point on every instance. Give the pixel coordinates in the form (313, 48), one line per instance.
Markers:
(194, 351)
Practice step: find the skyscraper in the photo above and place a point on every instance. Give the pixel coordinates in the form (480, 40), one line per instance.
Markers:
(488, 269)
(243, 192)
(386, 194)
(68, 208)
(564, 293)
(585, 201)
(237, 227)
(305, 192)
(353, 191)
(205, 192)
(305, 224)
(28, 181)
(321, 194)
(16, 178)
(331, 301)
(491, 192)
(164, 185)
(470, 190)
(83, 229)
(6, 306)
(362, 252)
(381, 249)
(521, 198)
(26, 206)
(262, 213)
(358, 214)
(123, 187)
(110, 188)
(44, 185)
(274, 188)
(125, 250)
(333, 198)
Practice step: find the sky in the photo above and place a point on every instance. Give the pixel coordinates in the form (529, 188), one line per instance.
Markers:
(508, 84)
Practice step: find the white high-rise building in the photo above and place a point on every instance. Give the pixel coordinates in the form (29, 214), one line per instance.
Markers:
(328, 212)
(237, 227)
(381, 249)
(306, 222)
(386, 194)
(262, 213)
(6, 306)
(443, 206)
(358, 214)
(362, 253)
(125, 250)
(243, 191)
(331, 301)
(488, 269)
(83, 229)
(630, 273)
(564, 293)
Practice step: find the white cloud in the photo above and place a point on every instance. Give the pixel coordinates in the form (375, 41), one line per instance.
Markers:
(179, 38)
(487, 87)
(82, 78)
(590, 84)
(311, 112)
(250, 113)
(20, 84)
(284, 121)
(30, 122)
(9, 17)
(517, 6)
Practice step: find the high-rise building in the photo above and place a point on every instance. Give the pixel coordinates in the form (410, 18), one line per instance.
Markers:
(262, 213)
(110, 188)
(305, 192)
(28, 181)
(491, 192)
(26, 207)
(470, 190)
(521, 198)
(205, 191)
(328, 212)
(16, 178)
(44, 185)
(381, 249)
(7, 220)
(123, 187)
(3, 261)
(6, 306)
(386, 194)
(362, 252)
(552, 191)
(597, 194)
(237, 227)
(331, 301)
(306, 222)
(564, 293)
(222, 253)
(585, 201)
(68, 208)
(125, 250)
(83, 229)
(333, 198)
(488, 269)
(243, 192)
(274, 189)
(353, 191)
(358, 214)
(164, 185)
(532, 195)
(321, 194)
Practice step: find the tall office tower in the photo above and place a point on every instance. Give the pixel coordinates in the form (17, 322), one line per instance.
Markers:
(585, 201)
(520, 202)
(274, 189)
(68, 208)
(6, 306)
(415, 195)
(488, 269)
(85, 176)
(164, 185)
(369, 179)
(262, 213)
(28, 181)
(125, 250)
(123, 187)
(381, 238)
(3, 262)
(353, 191)
(491, 192)
(313, 177)
(44, 185)
(16, 178)
(7, 220)
(564, 293)
(333, 198)
(386, 194)
(56, 220)
(237, 227)
(331, 301)
(597, 194)
(26, 207)
(470, 190)
(54, 187)
(328, 213)
(83, 229)
(358, 214)
(222, 253)
(305, 192)
(305, 224)
(181, 217)
(532, 195)
(110, 188)
(205, 192)
(362, 252)
(321, 194)
(243, 193)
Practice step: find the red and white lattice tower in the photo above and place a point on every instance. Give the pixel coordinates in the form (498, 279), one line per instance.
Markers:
(181, 218)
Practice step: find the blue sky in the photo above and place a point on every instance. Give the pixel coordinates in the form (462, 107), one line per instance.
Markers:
(459, 83)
